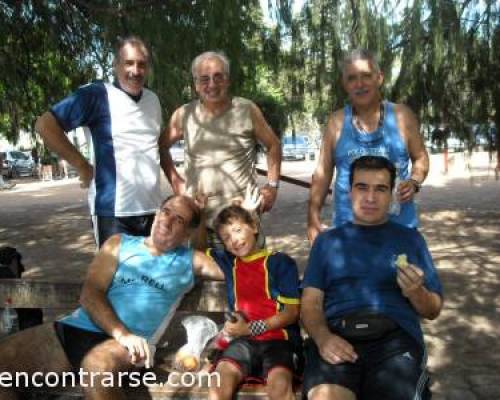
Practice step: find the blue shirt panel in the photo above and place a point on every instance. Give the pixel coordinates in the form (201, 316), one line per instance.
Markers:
(89, 106)
(352, 144)
(354, 266)
(144, 289)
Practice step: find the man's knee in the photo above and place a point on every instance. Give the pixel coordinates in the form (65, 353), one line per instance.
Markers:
(279, 384)
(107, 358)
(330, 392)
(33, 349)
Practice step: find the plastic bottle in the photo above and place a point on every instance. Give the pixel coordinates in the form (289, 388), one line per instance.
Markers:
(10, 322)
(223, 339)
(395, 207)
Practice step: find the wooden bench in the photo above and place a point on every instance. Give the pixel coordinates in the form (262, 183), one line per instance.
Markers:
(207, 298)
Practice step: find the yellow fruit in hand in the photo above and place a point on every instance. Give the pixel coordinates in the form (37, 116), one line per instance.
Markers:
(186, 361)
(190, 363)
(402, 261)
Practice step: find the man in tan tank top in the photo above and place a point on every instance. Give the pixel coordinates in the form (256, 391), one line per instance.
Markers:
(220, 135)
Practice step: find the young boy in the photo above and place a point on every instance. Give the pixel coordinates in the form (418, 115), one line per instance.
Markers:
(263, 293)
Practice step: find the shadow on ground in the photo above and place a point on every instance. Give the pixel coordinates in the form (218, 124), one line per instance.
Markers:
(460, 222)
(56, 243)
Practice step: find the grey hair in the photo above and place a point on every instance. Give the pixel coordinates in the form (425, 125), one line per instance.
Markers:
(207, 55)
(359, 54)
(133, 41)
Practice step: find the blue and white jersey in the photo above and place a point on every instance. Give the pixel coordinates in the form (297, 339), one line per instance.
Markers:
(124, 136)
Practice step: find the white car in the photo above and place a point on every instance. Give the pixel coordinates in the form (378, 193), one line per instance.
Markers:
(16, 164)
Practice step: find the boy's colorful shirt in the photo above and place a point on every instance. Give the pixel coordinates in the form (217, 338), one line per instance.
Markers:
(259, 286)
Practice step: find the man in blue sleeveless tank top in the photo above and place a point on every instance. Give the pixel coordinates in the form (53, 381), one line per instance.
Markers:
(369, 126)
(133, 287)
(366, 287)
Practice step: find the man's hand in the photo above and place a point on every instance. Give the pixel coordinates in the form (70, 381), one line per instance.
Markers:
(314, 230)
(178, 186)
(138, 348)
(86, 174)
(406, 191)
(269, 195)
(336, 350)
(238, 328)
(410, 279)
(201, 200)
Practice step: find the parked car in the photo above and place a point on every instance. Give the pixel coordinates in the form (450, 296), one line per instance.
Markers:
(295, 148)
(177, 152)
(4, 165)
(16, 163)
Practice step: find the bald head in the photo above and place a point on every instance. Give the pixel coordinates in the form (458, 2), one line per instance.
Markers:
(190, 204)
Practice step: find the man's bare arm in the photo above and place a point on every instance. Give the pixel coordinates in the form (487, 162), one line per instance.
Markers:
(266, 136)
(322, 176)
(95, 301)
(410, 279)
(94, 292)
(332, 348)
(55, 139)
(205, 266)
(312, 315)
(409, 125)
(173, 133)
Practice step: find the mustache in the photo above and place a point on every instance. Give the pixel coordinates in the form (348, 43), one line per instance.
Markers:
(360, 91)
(138, 78)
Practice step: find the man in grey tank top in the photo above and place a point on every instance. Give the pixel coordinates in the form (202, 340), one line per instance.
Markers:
(220, 135)
(368, 126)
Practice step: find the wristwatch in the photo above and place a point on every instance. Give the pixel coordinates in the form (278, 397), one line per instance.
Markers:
(416, 184)
(273, 184)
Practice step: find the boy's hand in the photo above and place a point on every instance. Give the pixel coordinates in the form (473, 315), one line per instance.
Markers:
(251, 201)
(238, 328)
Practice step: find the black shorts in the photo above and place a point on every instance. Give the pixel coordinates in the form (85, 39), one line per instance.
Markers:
(77, 342)
(104, 227)
(256, 358)
(390, 368)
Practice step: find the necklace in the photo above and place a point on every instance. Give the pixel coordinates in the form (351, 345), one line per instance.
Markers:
(357, 123)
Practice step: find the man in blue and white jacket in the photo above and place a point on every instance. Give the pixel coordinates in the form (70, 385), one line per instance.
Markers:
(122, 121)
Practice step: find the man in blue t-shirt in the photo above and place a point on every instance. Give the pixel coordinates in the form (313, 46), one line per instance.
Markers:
(132, 289)
(366, 286)
(121, 121)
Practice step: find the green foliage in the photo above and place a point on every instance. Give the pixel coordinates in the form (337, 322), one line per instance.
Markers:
(439, 57)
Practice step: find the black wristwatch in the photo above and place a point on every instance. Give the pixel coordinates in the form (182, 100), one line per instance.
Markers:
(273, 184)
(416, 184)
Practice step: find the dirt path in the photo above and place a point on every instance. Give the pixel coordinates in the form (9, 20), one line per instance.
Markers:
(460, 215)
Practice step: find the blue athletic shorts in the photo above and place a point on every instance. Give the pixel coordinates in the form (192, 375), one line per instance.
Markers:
(390, 368)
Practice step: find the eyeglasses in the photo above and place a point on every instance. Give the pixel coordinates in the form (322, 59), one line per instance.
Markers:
(217, 79)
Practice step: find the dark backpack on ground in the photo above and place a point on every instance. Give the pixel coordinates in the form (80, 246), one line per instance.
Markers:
(11, 267)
